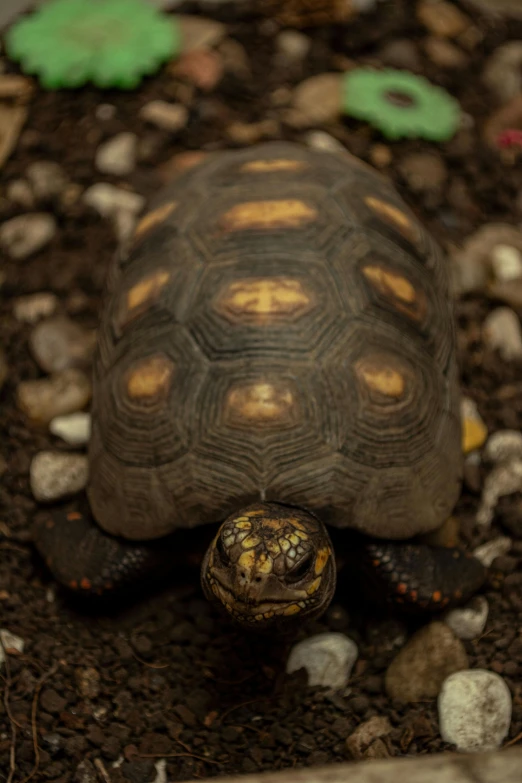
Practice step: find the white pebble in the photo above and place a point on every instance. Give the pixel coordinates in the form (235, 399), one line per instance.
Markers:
(29, 309)
(503, 446)
(47, 179)
(507, 262)
(489, 551)
(502, 332)
(504, 479)
(59, 343)
(74, 429)
(44, 399)
(474, 710)
(293, 44)
(10, 641)
(167, 116)
(108, 200)
(117, 155)
(327, 657)
(322, 141)
(468, 622)
(55, 474)
(24, 235)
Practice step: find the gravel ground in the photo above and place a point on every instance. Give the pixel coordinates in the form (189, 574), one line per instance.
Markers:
(162, 684)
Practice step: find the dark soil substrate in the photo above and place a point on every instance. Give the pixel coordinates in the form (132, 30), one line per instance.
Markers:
(175, 681)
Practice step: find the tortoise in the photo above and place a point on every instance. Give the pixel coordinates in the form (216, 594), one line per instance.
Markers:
(277, 355)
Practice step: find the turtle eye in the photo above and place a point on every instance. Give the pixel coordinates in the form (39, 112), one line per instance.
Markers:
(299, 571)
(222, 552)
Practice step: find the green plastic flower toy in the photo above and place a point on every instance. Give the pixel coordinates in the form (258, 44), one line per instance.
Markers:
(400, 104)
(112, 43)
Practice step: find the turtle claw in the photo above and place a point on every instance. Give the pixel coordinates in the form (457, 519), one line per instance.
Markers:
(88, 561)
(421, 578)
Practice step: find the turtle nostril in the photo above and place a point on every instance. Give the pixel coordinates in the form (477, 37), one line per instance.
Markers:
(258, 579)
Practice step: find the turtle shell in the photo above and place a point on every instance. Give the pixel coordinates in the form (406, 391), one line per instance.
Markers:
(280, 329)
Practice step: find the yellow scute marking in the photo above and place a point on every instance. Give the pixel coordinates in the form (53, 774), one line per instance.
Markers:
(381, 377)
(264, 299)
(263, 403)
(144, 293)
(250, 542)
(277, 164)
(149, 378)
(154, 218)
(264, 565)
(321, 560)
(390, 282)
(278, 213)
(242, 523)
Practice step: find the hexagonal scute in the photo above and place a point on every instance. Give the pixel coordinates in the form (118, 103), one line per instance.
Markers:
(285, 218)
(267, 306)
(144, 402)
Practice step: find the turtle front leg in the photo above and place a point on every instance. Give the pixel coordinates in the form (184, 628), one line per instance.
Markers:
(417, 577)
(88, 561)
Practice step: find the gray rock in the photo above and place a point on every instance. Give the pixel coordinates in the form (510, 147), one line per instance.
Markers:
(503, 71)
(117, 156)
(504, 479)
(327, 657)
(170, 117)
(108, 199)
(489, 551)
(468, 622)
(24, 235)
(74, 429)
(502, 332)
(47, 178)
(59, 343)
(45, 399)
(30, 309)
(420, 668)
(365, 735)
(9, 642)
(503, 446)
(474, 710)
(506, 261)
(55, 474)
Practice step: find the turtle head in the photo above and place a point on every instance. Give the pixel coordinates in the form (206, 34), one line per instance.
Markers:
(270, 566)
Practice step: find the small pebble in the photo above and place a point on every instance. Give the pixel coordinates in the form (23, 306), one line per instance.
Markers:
(324, 142)
(24, 235)
(365, 735)
(316, 101)
(468, 622)
(503, 71)
(506, 261)
(44, 399)
(474, 263)
(170, 117)
(203, 68)
(504, 479)
(503, 446)
(10, 642)
(88, 682)
(474, 710)
(47, 178)
(74, 429)
(327, 657)
(503, 333)
(55, 475)
(489, 551)
(59, 343)
(108, 199)
(20, 192)
(198, 32)
(30, 309)
(117, 156)
(420, 668)
(424, 171)
(444, 53)
(293, 45)
(442, 18)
